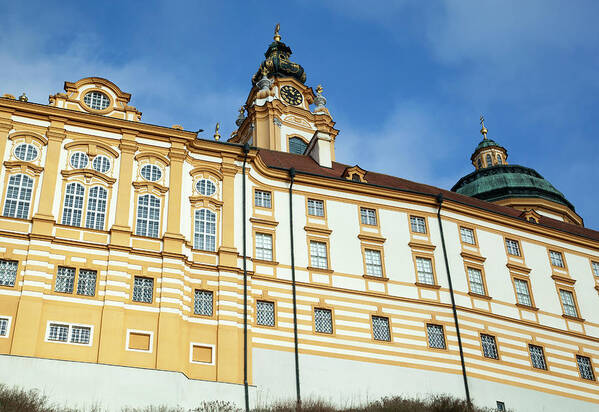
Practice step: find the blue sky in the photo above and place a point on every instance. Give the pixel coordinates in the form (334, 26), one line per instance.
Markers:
(406, 81)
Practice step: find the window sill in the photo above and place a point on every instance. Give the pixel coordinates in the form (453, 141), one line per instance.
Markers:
(574, 318)
(427, 285)
(521, 306)
(379, 278)
(476, 295)
(323, 270)
(265, 262)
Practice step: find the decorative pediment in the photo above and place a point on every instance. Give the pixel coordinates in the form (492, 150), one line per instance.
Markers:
(355, 173)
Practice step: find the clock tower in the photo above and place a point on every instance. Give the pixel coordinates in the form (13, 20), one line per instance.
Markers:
(283, 113)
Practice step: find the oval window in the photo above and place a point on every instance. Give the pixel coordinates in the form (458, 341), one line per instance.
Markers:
(101, 164)
(205, 187)
(79, 160)
(26, 152)
(96, 100)
(151, 173)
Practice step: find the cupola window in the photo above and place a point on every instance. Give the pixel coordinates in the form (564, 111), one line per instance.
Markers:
(479, 163)
(96, 100)
(26, 152)
(489, 161)
(499, 161)
(297, 145)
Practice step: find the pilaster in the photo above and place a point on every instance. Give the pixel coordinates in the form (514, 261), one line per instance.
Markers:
(173, 239)
(120, 233)
(228, 252)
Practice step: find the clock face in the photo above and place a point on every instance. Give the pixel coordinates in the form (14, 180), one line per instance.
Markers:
(291, 95)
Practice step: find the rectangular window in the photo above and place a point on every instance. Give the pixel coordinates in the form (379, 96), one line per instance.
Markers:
(374, 266)
(513, 247)
(265, 315)
(489, 346)
(537, 357)
(59, 333)
(595, 266)
(148, 216)
(467, 235)
(476, 281)
(522, 292)
(86, 284)
(556, 259)
(315, 207)
(585, 367)
(380, 328)
(80, 334)
(8, 272)
(368, 216)
(262, 199)
(417, 224)
(65, 279)
(568, 303)
(323, 320)
(318, 255)
(263, 246)
(425, 271)
(3, 326)
(202, 304)
(143, 289)
(436, 336)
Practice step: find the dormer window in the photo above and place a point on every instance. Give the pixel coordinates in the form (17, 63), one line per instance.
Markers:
(297, 145)
(96, 100)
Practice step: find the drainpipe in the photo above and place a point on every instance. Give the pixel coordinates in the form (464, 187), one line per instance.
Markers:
(246, 149)
(453, 307)
(297, 378)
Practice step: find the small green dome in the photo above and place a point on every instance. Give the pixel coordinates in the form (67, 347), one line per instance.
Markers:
(486, 143)
(277, 63)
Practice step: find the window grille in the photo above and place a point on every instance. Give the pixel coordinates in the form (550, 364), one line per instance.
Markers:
(476, 281)
(425, 271)
(202, 304)
(585, 367)
(79, 160)
(3, 326)
(86, 283)
(568, 303)
(323, 320)
(489, 346)
(151, 173)
(205, 187)
(522, 292)
(513, 248)
(380, 328)
(73, 204)
(96, 100)
(467, 235)
(318, 255)
(58, 332)
(96, 208)
(143, 289)
(537, 357)
(65, 279)
(26, 152)
(101, 164)
(265, 315)
(80, 334)
(374, 266)
(418, 224)
(8, 272)
(18, 196)
(262, 199)
(436, 336)
(204, 237)
(263, 246)
(148, 216)
(556, 259)
(297, 145)
(315, 207)
(368, 216)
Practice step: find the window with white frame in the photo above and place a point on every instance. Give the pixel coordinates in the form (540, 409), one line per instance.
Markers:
(151, 173)
(96, 100)
(203, 302)
(476, 281)
(73, 204)
(374, 265)
(148, 216)
(436, 336)
(489, 346)
(418, 224)
(79, 160)
(143, 289)
(26, 152)
(4, 323)
(18, 196)
(585, 367)
(522, 292)
(263, 246)
(8, 272)
(65, 279)
(380, 328)
(205, 187)
(513, 247)
(318, 255)
(323, 320)
(101, 164)
(568, 303)
(368, 216)
(58, 332)
(262, 199)
(424, 267)
(537, 357)
(265, 313)
(80, 334)
(204, 236)
(316, 207)
(64, 332)
(467, 235)
(96, 208)
(556, 259)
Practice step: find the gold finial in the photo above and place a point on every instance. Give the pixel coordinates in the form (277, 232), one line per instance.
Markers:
(242, 110)
(319, 89)
(277, 36)
(216, 133)
(23, 97)
(264, 71)
(483, 130)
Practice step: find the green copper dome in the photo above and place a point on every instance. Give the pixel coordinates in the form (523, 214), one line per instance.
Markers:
(277, 63)
(486, 143)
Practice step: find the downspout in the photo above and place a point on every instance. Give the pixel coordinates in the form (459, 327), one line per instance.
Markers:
(297, 378)
(453, 307)
(246, 149)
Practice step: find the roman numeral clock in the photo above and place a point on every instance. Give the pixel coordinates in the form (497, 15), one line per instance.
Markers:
(291, 95)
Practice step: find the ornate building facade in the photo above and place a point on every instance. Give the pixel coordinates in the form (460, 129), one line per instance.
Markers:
(140, 264)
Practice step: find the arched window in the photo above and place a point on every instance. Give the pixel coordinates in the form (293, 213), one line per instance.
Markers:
(489, 161)
(204, 236)
(499, 162)
(18, 196)
(479, 163)
(73, 204)
(297, 145)
(148, 216)
(96, 208)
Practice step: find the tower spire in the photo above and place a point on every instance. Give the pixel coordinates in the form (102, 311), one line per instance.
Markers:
(483, 130)
(277, 36)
